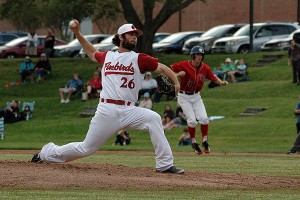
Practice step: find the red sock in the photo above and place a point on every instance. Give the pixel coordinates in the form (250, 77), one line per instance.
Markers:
(204, 131)
(192, 132)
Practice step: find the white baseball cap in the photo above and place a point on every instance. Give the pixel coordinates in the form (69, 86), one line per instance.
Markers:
(129, 28)
(228, 60)
(148, 73)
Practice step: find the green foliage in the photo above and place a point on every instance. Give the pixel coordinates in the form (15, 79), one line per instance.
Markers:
(24, 14)
(57, 14)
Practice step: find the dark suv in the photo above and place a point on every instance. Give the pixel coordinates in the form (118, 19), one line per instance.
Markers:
(207, 39)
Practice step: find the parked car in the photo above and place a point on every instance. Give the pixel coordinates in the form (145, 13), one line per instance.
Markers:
(282, 44)
(160, 36)
(174, 42)
(104, 45)
(17, 47)
(72, 49)
(207, 39)
(9, 36)
(262, 32)
(157, 37)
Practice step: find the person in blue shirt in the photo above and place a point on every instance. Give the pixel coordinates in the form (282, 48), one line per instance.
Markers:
(72, 86)
(26, 69)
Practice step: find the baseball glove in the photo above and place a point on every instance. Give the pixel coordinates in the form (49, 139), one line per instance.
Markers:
(165, 85)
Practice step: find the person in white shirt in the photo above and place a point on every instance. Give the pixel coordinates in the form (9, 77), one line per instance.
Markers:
(149, 85)
(31, 45)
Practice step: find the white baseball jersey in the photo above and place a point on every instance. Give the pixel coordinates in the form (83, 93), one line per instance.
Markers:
(121, 80)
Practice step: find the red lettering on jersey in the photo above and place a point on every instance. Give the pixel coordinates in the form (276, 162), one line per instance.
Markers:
(118, 68)
(202, 78)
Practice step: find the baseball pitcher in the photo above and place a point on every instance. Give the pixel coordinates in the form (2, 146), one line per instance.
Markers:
(122, 75)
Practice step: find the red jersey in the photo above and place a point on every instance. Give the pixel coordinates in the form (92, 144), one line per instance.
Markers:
(96, 83)
(194, 78)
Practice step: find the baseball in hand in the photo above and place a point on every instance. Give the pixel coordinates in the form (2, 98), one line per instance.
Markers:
(72, 24)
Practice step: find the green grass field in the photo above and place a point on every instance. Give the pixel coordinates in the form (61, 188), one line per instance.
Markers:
(271, 131)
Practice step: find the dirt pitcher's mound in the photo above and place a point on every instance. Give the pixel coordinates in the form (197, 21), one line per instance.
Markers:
(21, 174)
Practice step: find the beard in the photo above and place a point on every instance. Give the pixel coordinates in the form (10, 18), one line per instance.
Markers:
(128, 45)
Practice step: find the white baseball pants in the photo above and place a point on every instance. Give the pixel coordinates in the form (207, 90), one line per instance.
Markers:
(193, 108)
(109, 119)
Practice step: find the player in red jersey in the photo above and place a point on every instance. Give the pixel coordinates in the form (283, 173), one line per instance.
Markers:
(192, 74)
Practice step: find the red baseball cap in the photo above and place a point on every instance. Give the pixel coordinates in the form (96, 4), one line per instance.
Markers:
(126, 28)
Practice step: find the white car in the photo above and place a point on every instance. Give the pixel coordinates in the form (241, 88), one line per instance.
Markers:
(72, 48)
(262, 32)
(104, 45)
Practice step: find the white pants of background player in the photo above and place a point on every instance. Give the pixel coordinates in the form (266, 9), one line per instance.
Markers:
(193, 108)
(108, 120)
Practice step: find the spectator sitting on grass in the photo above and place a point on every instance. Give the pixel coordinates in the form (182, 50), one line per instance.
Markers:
(149, 84)
(72, 86)
(240, 68)
(93, 87)
(179, 120)
(168, 114)
(184, 139)
(146, 102)
(42, 67)
(122, 138)
(229, 69)
(26, 69)
(11, 114)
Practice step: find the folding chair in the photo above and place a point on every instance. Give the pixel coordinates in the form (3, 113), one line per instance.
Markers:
(1, 128)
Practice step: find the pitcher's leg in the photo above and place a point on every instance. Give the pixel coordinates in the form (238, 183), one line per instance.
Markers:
(164, 157)
(101, 128)
(145, 119)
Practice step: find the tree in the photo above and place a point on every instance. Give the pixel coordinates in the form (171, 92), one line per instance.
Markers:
(106, 14)
(151, 24)
(24, 15)
(57, 14)
(54, 14)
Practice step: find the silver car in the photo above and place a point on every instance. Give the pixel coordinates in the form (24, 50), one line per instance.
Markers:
(207, 39)
(282, 44)
(72, 49)
(262, 32)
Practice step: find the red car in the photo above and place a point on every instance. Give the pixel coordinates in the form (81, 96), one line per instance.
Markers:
(16, 48)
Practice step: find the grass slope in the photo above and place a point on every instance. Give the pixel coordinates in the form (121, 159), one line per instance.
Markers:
(270, 131)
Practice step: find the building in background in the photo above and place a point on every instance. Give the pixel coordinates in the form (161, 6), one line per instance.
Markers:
(201, 16)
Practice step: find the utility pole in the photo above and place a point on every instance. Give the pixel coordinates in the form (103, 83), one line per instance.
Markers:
(180, 21)
(298, 11)
(251, 26)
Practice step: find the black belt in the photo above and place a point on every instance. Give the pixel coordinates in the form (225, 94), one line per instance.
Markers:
(187, 93)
